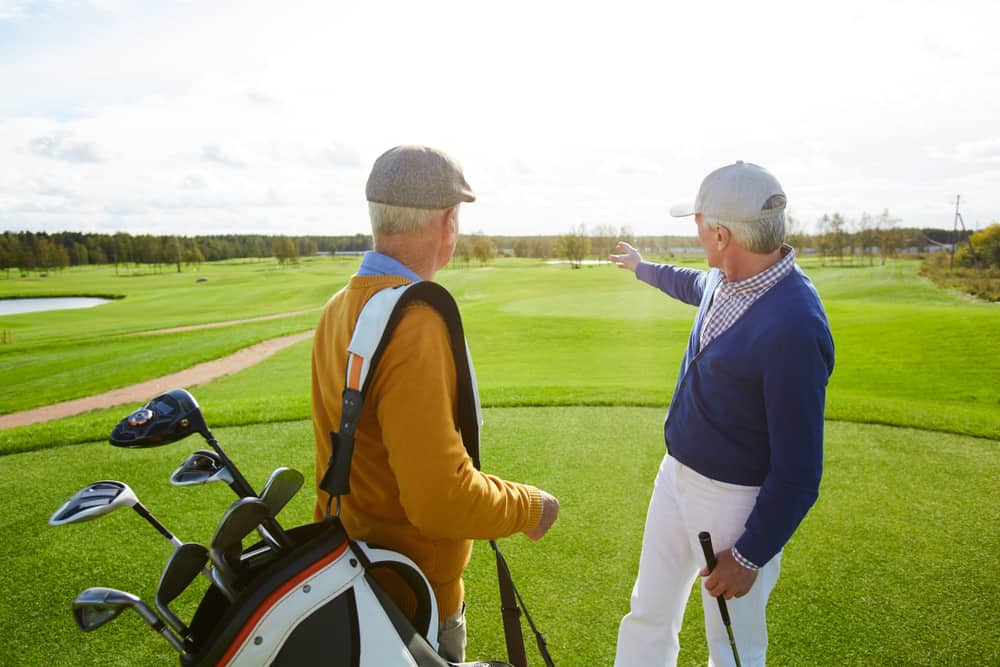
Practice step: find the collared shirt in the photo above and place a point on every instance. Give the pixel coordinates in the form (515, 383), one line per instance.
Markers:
(376, 264)
(732, 299)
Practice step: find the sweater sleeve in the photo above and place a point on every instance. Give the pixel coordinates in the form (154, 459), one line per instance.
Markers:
(683, 284)
(440, 490)
(794, 386)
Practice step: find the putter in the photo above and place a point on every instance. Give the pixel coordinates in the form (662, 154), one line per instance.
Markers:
(706, 546)
(100, 498)
(94, 607)
(173, 416)
(242, 517)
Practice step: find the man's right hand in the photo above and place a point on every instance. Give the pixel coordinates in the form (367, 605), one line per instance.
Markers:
(550, 510)
(629, 259)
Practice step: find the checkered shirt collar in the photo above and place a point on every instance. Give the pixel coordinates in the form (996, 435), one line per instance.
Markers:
(758, 284)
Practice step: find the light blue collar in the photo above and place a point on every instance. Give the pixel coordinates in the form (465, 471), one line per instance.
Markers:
(377, 264)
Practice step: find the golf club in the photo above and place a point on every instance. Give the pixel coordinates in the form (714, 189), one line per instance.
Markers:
(186, 563)
(173, 416)
(242, 517)
(205, 466)
(94, 607)
(100, 498)
(281, 487)
(706, 546)
(202, 467)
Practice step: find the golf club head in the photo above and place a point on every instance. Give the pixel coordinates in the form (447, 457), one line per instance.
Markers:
(167, 418)
(242, 517)
(202, 467)
(182, 568)
(281, 487)
(94, 607)
(94, 500)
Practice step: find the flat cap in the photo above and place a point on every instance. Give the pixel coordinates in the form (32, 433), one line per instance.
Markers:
(417, 177)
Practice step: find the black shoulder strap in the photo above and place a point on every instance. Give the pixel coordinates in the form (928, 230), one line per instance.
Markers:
(375, 325)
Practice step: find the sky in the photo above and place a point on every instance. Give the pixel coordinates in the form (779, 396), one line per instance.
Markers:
(212, 117)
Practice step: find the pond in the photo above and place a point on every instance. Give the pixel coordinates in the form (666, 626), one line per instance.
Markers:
(18, 306)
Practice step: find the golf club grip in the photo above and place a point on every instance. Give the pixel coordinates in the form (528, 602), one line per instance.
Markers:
(706, 546)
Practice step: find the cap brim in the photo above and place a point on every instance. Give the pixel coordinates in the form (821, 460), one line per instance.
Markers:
(682, 210)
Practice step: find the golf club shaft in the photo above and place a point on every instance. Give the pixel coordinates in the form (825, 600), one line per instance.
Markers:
(706, 546)
(145, 514)
(243, 488)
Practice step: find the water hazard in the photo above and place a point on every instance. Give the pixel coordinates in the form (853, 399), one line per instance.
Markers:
(19, 306)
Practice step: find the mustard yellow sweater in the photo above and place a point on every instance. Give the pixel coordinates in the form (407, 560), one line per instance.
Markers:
(413, 487)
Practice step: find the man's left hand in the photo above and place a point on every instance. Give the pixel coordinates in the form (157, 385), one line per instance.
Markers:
(729, 578)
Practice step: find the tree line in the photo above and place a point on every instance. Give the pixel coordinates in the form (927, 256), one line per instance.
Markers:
(836, 240)
(41, 252)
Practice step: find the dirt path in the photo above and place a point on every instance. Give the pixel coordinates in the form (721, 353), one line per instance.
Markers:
(227, 323)
(142, 392)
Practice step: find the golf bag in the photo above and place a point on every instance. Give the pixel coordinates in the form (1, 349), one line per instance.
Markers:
(320, 604)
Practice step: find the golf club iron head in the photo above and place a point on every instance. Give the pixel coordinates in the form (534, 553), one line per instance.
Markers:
(202, 467)
(94, 500)
(182, 568)
(167, 418)
(242, 517)
(94, 607)
(281, 487)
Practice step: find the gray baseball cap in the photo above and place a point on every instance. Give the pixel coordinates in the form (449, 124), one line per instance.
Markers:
(736, 193)
(417, 177)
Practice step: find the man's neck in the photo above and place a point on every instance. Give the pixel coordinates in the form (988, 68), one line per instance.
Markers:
(742, 264)
(409, 252)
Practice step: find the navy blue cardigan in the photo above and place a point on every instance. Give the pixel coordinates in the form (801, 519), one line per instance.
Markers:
(748, 408)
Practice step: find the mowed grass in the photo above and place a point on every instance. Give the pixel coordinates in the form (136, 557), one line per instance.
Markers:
(892, 566)
(907, 353)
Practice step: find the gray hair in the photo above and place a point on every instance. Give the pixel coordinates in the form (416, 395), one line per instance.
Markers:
(387, 219)
(764, 235)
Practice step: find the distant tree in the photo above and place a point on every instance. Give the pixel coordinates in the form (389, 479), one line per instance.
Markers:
(79, 255)
(285, 251)
(887, 237)
(602, 240)
(8, 252)
(171, 251)
(986, 243)
(625, 234)
(483, 248)
(193, 256)
(541, 247)
(866, 237)
(795, 234)
(574, 246)
(463, 249)
(521, 248)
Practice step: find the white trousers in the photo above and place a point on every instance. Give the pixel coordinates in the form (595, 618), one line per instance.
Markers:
(684, 503)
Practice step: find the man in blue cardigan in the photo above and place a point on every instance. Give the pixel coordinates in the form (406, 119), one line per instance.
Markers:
(744, 431)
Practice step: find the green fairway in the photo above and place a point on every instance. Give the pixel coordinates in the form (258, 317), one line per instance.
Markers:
(576, 367)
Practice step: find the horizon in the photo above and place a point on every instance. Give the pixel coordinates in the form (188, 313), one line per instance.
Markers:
(187, 118)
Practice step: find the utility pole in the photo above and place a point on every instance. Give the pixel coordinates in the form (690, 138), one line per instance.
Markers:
(954, 235)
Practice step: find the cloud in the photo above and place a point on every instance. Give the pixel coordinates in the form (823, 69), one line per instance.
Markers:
(59, 146)
(631, 165)
(938, 49)
(215, 153)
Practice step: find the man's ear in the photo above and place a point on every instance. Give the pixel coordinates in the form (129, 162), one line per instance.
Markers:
(722, 236)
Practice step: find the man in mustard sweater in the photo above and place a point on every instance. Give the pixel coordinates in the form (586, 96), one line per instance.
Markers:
(413, 487)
